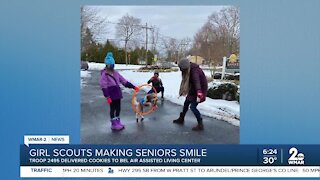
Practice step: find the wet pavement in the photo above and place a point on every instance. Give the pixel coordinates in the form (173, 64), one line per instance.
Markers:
(157, 127)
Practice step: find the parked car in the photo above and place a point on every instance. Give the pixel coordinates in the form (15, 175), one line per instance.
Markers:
(237, 76)
(167, 65)
(229, 77)
(217, 75)
(84, 65)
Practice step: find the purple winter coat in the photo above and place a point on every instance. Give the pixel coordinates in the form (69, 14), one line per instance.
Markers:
(110, 84)
(198, 81)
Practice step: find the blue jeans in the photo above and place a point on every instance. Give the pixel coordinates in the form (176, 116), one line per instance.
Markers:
(158, 89)
(193, 108)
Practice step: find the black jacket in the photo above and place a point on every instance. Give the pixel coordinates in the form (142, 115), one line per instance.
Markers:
(156, 82)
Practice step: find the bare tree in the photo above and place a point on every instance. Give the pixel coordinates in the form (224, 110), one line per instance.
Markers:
(128, 28)
(210, 44)
(228, 23)
(219, 36)
(184, 47)
(176, 48)
(202, 40)
(171, 47)
(91, 22)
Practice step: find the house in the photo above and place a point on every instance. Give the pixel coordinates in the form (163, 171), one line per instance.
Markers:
(196, 59)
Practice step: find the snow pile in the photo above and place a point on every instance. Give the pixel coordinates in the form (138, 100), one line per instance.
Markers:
(217, 83)
(220, 109)
(100, 66)
(207, 73)
(83, 75)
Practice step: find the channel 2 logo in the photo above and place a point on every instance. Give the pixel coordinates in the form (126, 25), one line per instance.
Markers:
(296, 158)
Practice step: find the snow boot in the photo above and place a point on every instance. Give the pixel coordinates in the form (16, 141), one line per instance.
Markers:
(199, 127)
(115, 124)
(119, 122)
(180, 120)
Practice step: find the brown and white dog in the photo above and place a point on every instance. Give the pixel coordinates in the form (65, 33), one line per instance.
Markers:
(148, 100)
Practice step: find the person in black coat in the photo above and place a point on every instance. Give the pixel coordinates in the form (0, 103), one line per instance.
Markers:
(157, 84)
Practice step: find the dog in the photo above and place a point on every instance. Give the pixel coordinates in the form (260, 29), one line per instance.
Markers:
(148, 100)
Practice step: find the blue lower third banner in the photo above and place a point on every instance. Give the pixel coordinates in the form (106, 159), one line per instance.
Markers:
(176, 155)
(169, 160)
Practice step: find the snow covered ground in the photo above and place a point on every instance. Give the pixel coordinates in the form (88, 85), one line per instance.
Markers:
(220, 109)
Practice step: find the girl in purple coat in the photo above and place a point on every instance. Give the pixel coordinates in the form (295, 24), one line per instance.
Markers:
(110, 85)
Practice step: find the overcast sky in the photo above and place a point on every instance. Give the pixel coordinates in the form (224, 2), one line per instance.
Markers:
(173, 21)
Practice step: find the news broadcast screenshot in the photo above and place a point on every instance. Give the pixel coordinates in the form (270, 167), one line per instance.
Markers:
(110, 89)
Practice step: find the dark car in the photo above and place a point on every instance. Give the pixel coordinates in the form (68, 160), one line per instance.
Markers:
(84, 65)
(237, 76)
(217, 75)
(229, 77)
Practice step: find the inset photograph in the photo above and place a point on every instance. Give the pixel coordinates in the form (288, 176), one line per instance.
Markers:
(160, 75)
